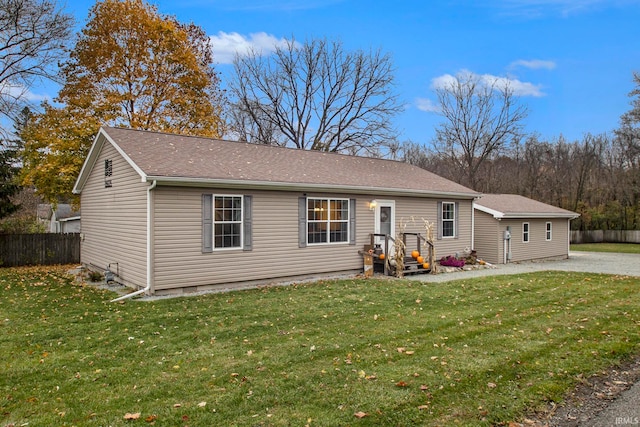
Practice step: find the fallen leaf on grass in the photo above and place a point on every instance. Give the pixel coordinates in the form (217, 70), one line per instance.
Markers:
(401, 384)
(129, 416)
(360, 414)
(421, 407)
(202, 404)
(492, 385)
(151, 418)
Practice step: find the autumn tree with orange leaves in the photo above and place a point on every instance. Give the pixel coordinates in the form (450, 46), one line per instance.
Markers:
(131, 67)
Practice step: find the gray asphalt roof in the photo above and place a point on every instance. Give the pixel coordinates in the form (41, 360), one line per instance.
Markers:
(189, 158)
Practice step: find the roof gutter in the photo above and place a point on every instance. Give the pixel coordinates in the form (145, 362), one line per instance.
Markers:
(524, 215)
(149, 248)
(534, 216)
(295, 186)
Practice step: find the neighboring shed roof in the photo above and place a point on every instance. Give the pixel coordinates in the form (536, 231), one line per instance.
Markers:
(515, 206)
(187, 160)
(63, 210)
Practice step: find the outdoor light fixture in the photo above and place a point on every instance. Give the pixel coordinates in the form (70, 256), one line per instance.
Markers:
(372, 205)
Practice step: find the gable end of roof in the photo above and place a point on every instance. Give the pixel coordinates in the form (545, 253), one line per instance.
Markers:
(98, 143)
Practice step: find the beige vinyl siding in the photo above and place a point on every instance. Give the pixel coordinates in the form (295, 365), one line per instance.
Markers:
(114, 219)
(537, 247)
(180, 263)
(427, 209)
(488, 238)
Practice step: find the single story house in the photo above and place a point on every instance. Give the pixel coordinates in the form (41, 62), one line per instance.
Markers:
(171, 214)
(512, 228)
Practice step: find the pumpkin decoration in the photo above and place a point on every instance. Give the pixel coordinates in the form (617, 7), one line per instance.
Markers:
(415, 254)
(425, 265)
(381, 256)
(420, 259)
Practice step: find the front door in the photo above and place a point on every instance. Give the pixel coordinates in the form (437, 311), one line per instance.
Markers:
(385, 218)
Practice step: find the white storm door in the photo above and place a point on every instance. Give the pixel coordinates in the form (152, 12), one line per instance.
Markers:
(385, 220)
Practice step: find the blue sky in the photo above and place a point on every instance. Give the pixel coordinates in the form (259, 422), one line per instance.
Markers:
(571, 61)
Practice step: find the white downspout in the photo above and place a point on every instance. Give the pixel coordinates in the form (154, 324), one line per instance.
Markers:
(149, 248)
(568, 236)
(473, 225)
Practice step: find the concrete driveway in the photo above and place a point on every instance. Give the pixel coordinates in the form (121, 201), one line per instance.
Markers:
(587, 262)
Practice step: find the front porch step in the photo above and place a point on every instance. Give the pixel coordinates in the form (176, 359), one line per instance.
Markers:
(411, 266)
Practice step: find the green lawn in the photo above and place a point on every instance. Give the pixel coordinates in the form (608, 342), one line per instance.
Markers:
(625, 248)
(398, 353)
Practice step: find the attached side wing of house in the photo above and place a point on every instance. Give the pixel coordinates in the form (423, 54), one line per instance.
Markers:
(513, 228)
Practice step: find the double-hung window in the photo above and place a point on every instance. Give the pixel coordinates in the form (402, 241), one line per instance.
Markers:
(227, 222)
(549, 234)
(448, 219)
(525, 232)
(327, 220)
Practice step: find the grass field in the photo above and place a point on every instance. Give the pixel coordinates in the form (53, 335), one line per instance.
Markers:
(349, 352)
(625, 248)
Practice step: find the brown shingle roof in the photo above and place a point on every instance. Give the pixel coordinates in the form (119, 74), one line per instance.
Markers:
(188, 159)
(515, 206)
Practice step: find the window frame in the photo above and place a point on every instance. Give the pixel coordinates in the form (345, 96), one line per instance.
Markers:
(345, 203)
(448, 220)
(215, 222)
(549, 231)
(526, 234)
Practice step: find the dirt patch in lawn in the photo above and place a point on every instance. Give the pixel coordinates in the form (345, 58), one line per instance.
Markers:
(592, 396)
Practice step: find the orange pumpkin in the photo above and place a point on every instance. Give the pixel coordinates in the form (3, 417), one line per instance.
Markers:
(425, 265)
(420, 259)
(381, 256)
(415, 254)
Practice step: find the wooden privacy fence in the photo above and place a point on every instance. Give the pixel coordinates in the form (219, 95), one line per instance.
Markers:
(39, 249)
(605, 236)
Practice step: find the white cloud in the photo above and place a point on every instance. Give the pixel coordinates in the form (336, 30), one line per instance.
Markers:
(227, 45)
(15, 92)
(425, 104)
(534, 64)
(518, 87)
(442, 82)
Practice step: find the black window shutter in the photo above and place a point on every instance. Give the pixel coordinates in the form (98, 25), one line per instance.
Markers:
(439, 220)
(302, 222)
(207, 223)
(248, 223)
(352, 221)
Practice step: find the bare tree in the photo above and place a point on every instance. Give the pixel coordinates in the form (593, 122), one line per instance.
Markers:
(33, 34)
(481, 118)
(315, 96)
(627, 141)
